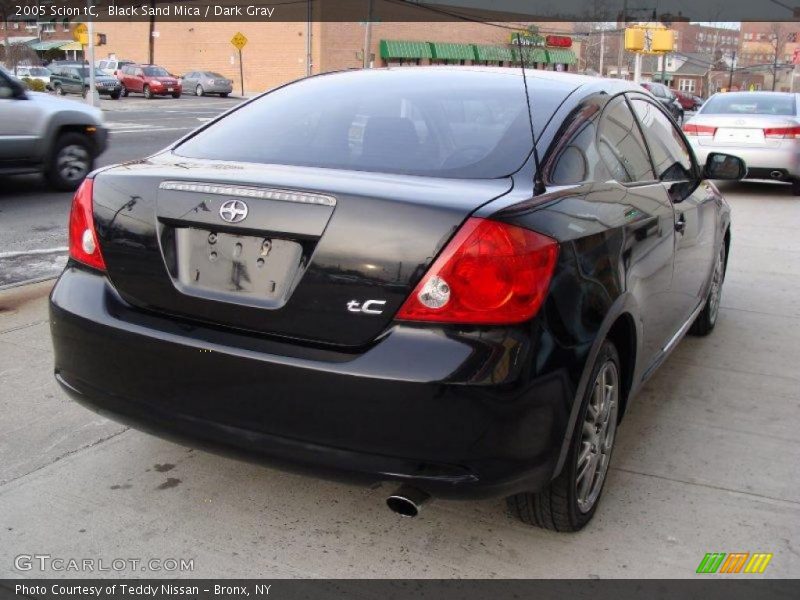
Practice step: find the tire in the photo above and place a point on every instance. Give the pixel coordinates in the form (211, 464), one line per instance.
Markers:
(124, 92)
(115, 95)
(59, 90)
(561, 506)
(198, 91)
(85, 92)
(176, 95)
(148, 93)
(795, 187)
(69, 162)
(707, 319)
(223, 95)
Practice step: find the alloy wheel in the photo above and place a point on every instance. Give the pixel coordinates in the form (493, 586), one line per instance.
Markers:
(715, 293)
(73, 162)
(597, 436)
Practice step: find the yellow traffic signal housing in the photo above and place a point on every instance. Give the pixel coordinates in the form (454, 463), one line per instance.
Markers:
(663, 40)
(634, 40)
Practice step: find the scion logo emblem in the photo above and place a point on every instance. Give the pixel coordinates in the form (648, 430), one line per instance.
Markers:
(233, 211)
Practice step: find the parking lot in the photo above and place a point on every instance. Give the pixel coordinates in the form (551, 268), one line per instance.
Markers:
(707, 459)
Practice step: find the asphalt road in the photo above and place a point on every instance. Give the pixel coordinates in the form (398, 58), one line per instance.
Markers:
(706, 461)
(33, 219)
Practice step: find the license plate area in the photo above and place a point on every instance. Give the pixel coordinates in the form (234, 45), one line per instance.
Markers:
(243, 269)
(741, 136)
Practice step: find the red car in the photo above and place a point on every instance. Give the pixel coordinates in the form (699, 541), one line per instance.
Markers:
(687, 101)
(149, 80)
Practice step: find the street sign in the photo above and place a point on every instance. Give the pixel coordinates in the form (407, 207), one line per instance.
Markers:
(81, 34)
(239, 41)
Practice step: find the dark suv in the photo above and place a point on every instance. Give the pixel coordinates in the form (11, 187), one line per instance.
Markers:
(74, 79)
(666, 97)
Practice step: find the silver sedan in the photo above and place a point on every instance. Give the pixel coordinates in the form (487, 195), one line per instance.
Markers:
(207, 82)
(761, 128)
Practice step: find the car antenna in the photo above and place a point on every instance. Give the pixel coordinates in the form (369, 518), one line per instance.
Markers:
(538, 180)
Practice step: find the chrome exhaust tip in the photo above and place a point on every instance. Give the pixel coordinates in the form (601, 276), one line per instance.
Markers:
(407, 501)
(776, 175)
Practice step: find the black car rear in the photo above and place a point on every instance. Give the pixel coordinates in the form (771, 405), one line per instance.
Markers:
(350, 275)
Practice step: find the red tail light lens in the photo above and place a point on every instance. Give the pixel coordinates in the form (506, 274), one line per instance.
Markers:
(691, 129)
(489, 273)
(782, 133)
(83, 245)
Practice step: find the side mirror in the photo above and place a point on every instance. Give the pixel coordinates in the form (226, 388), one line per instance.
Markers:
(724, 166)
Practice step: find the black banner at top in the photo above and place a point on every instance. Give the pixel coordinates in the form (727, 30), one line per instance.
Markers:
(708, 11)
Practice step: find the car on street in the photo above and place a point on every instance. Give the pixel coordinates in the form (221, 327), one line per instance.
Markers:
(202, 83)
(149, 80)
(762, 128)
(371, 275)
(43, 134)
(75, 79)
(37, 73)
(110, 66)
(667, 98)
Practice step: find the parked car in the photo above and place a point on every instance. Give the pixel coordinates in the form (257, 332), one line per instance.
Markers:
(74, 79)
(403, 305)
(42, 134)
(110, 66)
(207, 82)
(763, 128)
(36, 73)
(687, 101)
(698, 102)
(667, 98)
(150, 80)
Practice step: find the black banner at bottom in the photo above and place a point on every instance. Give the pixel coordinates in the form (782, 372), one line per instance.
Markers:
(415, 589)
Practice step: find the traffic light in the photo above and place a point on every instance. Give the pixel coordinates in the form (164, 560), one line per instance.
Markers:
(634, 40)
(663, 40)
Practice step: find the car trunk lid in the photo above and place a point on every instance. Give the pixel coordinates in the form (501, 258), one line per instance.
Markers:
(321, 255)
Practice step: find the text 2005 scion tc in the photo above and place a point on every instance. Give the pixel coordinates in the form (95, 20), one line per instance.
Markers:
(352, 275)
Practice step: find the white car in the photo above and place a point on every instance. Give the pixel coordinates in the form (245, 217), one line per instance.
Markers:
(39, 73)
(110, 66)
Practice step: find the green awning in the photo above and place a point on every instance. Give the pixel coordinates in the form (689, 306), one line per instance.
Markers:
(401, 49)
(452, 51)
(561, 56)
(44, 46)
(493, 53)
(531, 54)
(667, 76)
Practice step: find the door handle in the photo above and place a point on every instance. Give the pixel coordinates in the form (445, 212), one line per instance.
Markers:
(680, 224)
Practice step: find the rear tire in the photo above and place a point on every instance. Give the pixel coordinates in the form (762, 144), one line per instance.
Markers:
(223, 95)
(176, 95)
(115, 95)
(568, 503)
(148, 93)
(707, 319)
(70, 162)
(124, 92)
(796, 187)
(58, 89)
(198, 91)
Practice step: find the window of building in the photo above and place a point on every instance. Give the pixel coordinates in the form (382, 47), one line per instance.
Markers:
(686, 85)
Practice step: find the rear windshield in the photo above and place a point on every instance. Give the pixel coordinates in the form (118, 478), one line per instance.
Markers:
(473, 125)
(750, 104)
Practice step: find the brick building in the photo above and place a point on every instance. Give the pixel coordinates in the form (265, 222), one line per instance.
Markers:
(277, 52)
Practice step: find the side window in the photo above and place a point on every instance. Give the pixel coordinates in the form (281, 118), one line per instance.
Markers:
(620, 144)
(103, 64)
(576, 158)
(6, 89)
(671, 156)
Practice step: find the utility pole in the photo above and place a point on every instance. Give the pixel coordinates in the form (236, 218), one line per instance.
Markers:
(368, 35)
(730, 77)
(622, 39)
(151, 43)
(92, 97)
(602, 48)
(309, 67)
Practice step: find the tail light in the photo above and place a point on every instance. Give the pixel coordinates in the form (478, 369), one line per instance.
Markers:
(690, 129)
(489, 273)
(83, 245)
(782, 133)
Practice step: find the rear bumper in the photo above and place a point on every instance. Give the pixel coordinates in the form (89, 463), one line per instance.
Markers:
(457, 416)
(760, 161)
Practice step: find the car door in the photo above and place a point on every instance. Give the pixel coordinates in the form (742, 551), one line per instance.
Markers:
(694, 205)
(190, 81)
(602, 149)
(20, 126)
(74, 81)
